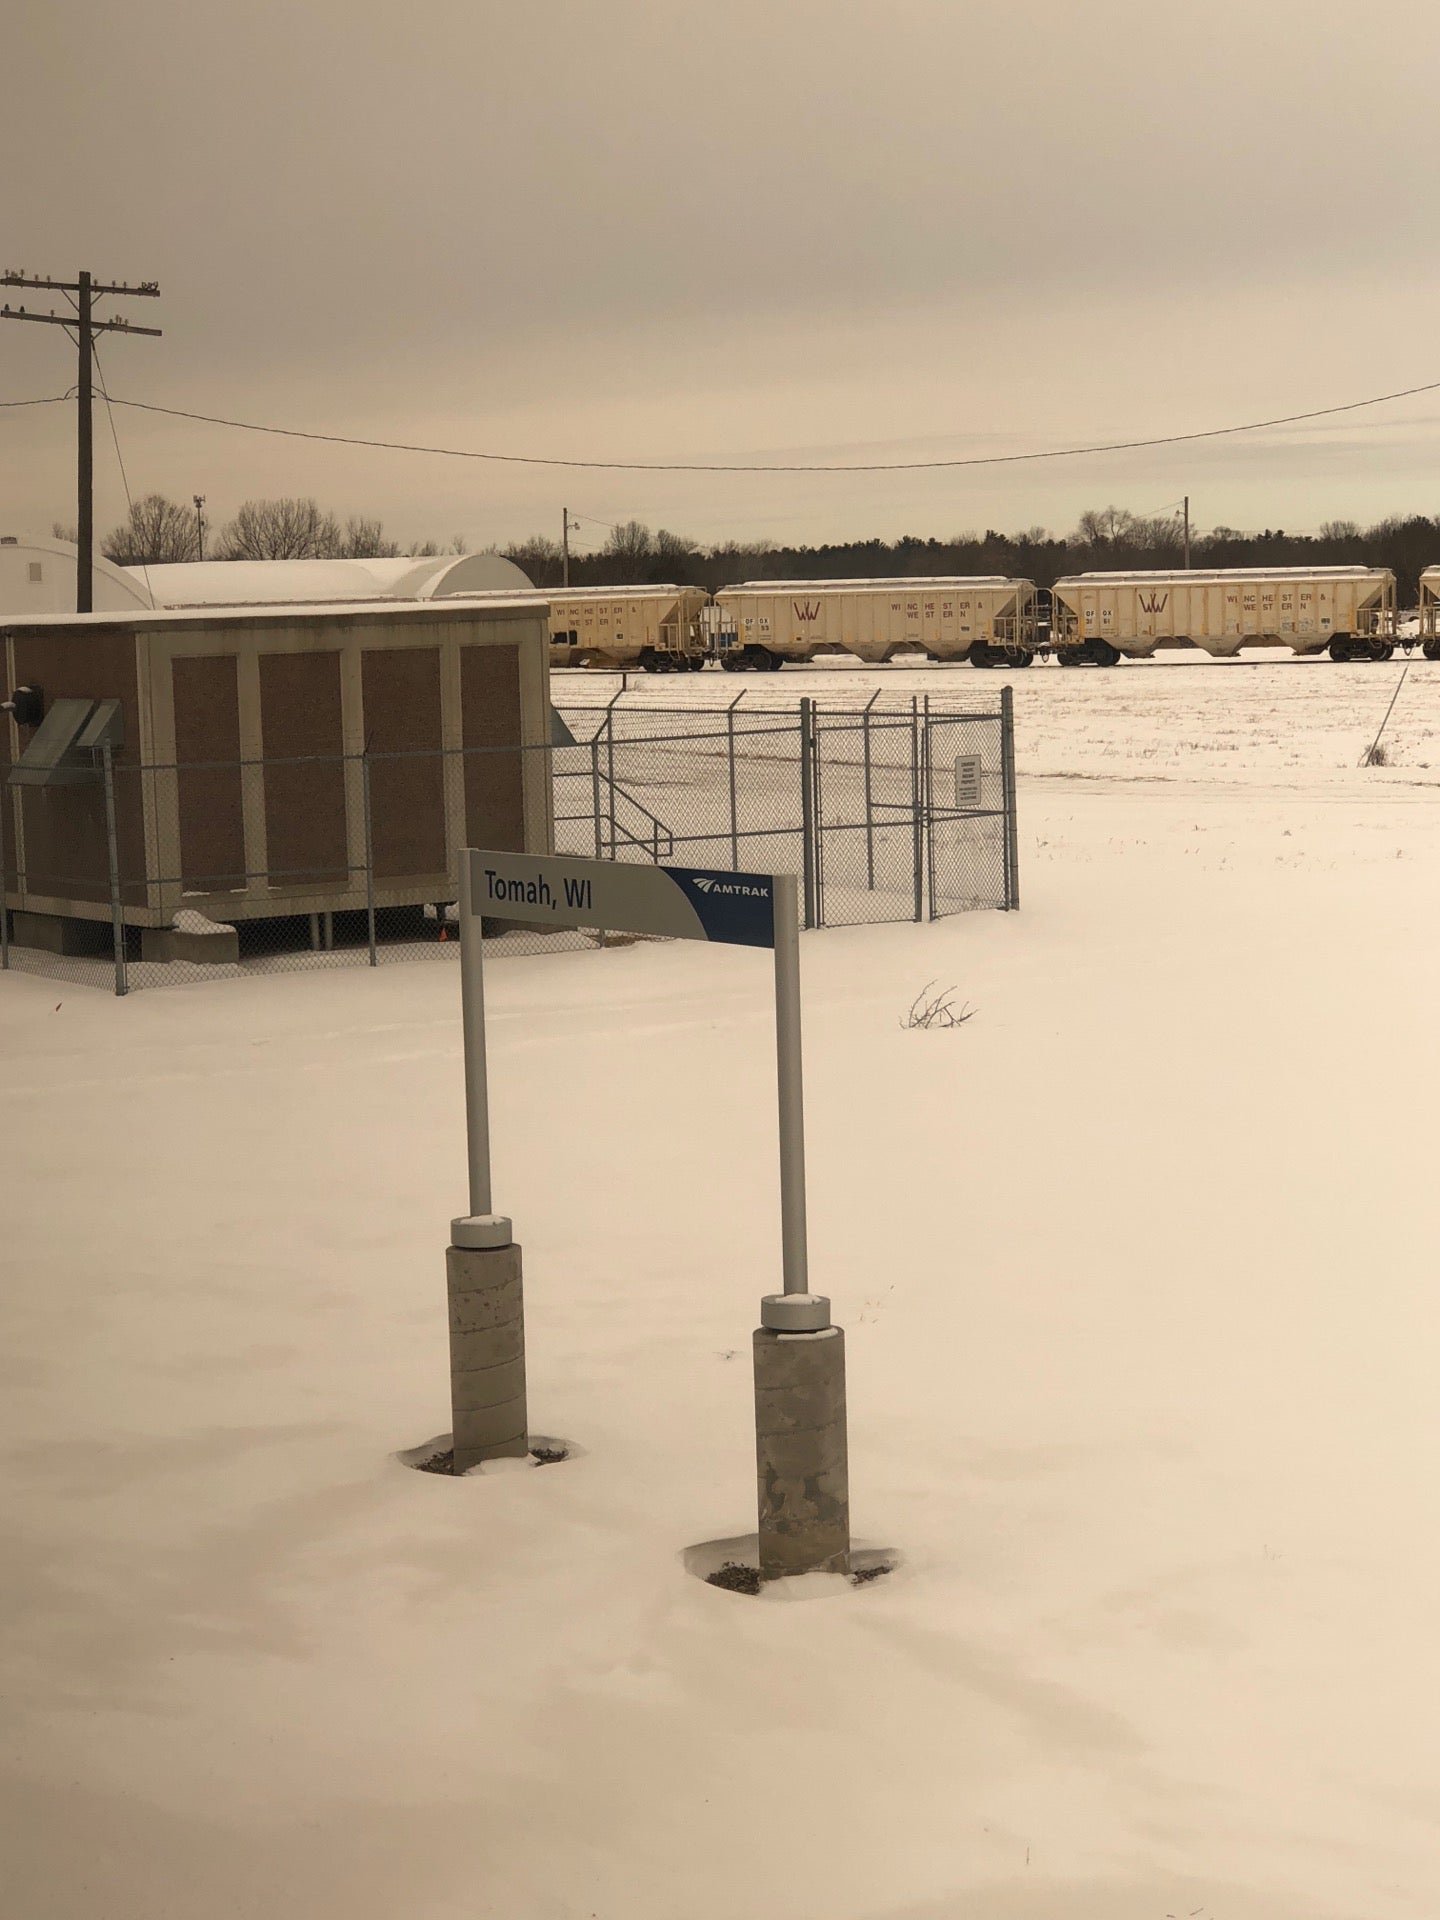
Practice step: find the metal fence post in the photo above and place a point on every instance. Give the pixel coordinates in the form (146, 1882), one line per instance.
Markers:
(869, 807)
(1007, 770)
(734, 801)
(595, 785)
(807, 808)
(818, 807)
(117, 913)
(929, 793)
(4, 906)
(369, 858)
(917, 847)
(610, 769)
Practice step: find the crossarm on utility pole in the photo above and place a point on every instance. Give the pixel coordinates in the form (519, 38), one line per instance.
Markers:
(85, 327)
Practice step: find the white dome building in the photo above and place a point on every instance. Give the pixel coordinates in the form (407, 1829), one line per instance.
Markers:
(280, 583)
(38, 576)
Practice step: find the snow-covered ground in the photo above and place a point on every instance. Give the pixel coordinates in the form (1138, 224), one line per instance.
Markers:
(1137, 1268)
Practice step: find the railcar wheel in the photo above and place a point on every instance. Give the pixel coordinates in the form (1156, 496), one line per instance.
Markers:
(1102, 653)
(1019, 657)
(1070, 656)
(1340, 647)
(1431, 649)
(980, 654)
(770, 662)
(1382, 649)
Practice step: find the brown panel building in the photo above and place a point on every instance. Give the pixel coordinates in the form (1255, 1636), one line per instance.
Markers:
(274, 756)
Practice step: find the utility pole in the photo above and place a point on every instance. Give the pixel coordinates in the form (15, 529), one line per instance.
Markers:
(1187, 533)
(199, 500)
(565, 545)
(82, 327)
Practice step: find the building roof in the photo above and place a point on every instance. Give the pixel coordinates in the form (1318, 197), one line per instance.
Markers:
(649, 590)
(914, 582)
(1148, 576)
(239, 583)
(23, 593)
(455, 608)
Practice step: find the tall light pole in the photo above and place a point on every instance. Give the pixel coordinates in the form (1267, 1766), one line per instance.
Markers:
(85, 327)
(565, 546)
(199, 500)
(1187, 533)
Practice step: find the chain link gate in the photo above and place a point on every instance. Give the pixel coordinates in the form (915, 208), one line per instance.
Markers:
(971, 843)
(913, 812)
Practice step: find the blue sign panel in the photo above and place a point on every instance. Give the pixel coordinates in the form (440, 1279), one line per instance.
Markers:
(738, 908)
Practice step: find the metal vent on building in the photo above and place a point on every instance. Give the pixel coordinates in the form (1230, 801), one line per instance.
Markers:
(62, 752)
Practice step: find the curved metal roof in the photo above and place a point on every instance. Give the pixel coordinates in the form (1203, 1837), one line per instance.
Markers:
(259, 583)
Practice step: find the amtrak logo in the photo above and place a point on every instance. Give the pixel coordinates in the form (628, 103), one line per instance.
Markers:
(806, 609)
(732, 886)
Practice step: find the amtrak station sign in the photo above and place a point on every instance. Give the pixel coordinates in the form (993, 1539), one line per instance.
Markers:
(676, 903)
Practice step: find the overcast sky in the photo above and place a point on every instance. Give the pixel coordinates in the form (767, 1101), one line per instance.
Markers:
(765, 230)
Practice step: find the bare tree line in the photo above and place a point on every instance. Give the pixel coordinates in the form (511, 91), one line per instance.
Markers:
(157, 531)
(1110, 538)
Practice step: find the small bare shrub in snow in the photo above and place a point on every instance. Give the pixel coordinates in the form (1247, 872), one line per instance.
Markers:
(1377, 756)
(932, 1009)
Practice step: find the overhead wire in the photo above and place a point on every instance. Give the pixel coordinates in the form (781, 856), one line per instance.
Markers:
(714, 466)
(119, 457)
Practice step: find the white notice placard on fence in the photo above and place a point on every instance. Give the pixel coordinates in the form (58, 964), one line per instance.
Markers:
(967, 780)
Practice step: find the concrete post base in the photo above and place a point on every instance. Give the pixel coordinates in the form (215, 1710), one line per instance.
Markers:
(487, 1354)
(800, 1452)
(218, 947)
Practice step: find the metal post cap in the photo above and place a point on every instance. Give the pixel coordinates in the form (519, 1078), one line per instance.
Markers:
(795, 1312)
(480, 1231)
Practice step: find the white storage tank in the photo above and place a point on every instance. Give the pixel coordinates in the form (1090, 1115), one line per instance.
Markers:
(1098, 617)
(988, 619)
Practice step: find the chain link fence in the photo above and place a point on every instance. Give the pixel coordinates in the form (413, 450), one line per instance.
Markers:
(895, 810)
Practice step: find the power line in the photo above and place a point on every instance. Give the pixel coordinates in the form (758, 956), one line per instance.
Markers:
(120, 461)
(49, 400)
(706, 466)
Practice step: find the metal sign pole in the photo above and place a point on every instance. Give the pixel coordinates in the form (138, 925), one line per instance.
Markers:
(802, 1464)
(796, 1309)
(489, 1417)
(801, 1456)
(482, 1227)
(794, 1252)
